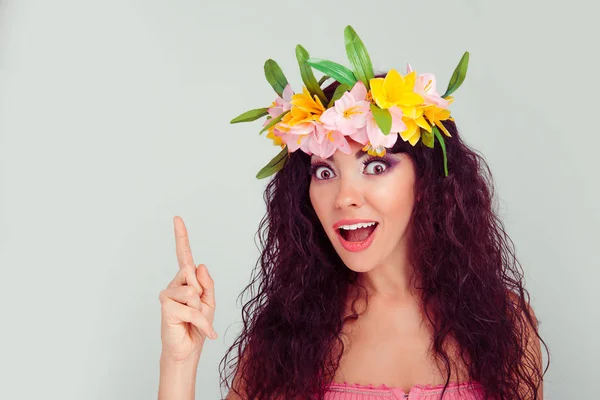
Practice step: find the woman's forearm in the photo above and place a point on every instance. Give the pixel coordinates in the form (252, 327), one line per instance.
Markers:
(177, 379)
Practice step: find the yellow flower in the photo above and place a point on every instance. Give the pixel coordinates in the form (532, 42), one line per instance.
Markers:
(395, 90)
(304, 109)
(413, 119)
(436, 114)
(422, 117)
(277, 141)
(374, 151)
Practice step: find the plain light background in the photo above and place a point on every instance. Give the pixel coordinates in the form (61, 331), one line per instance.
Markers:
(114, 117)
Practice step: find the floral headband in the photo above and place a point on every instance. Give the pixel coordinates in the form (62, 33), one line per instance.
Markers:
(371, 111)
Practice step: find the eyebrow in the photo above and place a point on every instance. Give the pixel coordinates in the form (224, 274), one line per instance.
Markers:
(358, 155)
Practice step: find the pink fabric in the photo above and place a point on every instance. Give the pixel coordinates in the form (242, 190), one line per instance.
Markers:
(454, 391)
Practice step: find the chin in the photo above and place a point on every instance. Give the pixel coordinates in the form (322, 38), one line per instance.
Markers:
(359, 267)
(357, 262)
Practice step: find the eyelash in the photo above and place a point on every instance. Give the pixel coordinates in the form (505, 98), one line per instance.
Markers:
(315, 166)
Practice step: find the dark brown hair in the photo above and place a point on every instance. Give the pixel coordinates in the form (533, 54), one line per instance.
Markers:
(471, 283)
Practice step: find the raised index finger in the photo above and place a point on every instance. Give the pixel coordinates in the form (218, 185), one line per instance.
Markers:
(182, 244)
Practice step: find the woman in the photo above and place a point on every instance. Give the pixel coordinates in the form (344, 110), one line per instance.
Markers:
(385, 272)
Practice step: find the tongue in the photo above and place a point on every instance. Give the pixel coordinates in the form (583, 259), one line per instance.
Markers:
(360, 234)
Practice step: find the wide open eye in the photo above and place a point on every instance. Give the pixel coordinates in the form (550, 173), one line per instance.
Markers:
(321, 171)
(376, 165)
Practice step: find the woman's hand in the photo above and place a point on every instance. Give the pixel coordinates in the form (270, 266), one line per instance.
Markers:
(187, 304)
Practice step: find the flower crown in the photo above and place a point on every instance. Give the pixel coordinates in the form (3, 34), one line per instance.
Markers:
(369, 110)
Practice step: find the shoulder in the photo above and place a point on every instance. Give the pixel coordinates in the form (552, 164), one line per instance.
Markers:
(238, 384)
(524, 310)
(239, 388)
(527, 324)
(525, 317)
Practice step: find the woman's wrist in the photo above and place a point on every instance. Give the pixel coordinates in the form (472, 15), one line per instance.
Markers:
(177, 378)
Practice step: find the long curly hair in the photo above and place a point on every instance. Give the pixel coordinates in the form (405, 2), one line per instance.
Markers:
(471, 284)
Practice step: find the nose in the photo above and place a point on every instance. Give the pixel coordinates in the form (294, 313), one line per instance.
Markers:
(349, 194)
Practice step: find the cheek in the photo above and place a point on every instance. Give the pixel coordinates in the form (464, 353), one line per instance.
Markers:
(318, 200)
(394, 200)
(322, 198)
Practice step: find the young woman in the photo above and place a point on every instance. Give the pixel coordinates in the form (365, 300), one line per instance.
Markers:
(385, 271)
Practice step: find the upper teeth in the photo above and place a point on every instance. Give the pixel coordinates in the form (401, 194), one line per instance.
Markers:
(356, 226)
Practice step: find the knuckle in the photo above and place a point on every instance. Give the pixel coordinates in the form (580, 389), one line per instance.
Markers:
(166, 306)
(188, 268)
(195, 314)
(190, 292)
(188, 273)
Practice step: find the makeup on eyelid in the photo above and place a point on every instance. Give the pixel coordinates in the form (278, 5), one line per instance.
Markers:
(389, 162)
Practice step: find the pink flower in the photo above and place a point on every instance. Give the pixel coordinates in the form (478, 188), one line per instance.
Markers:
(425, 87)
(314, 138)
(374, 139)
(349, 112)
(326, 142)
(294, 142)
(296, 136)
(281, 105)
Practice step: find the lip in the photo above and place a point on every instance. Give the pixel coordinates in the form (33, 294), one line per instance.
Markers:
(355, 246)
(350, 222)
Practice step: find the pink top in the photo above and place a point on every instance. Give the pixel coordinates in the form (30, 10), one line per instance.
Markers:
(455, 391)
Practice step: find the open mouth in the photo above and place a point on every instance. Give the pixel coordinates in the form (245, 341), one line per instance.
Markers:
(359, 233)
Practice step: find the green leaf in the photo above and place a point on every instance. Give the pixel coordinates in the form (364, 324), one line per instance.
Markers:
(440, 139)
(459, 75)
(339, 92)
(273, 121)
(323, 79)
(334, 70)
(307, 74)
(250, 115)
(358, 56)
(427, 138)
(383, 118)
(276, 164)
(275, 76)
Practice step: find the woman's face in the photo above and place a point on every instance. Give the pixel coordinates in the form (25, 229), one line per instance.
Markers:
(343, 189)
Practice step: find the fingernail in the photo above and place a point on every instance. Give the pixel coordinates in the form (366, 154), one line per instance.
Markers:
(213, 335)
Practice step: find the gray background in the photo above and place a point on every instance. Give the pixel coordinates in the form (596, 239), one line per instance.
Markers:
(114, 117)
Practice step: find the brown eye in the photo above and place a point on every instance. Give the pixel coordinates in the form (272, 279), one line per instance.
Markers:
(376, 167)
(322, 172)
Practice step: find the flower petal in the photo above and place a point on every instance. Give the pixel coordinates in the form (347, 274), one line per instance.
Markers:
(423, 123)
(344, 103)
(393, 83)
(397, 122)
(287, 93)
(411, 128)
(443, 128)
(389, 140)
(328, 118)
(359, 91)
(377, 92)
(360, 135)
(415, 138)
